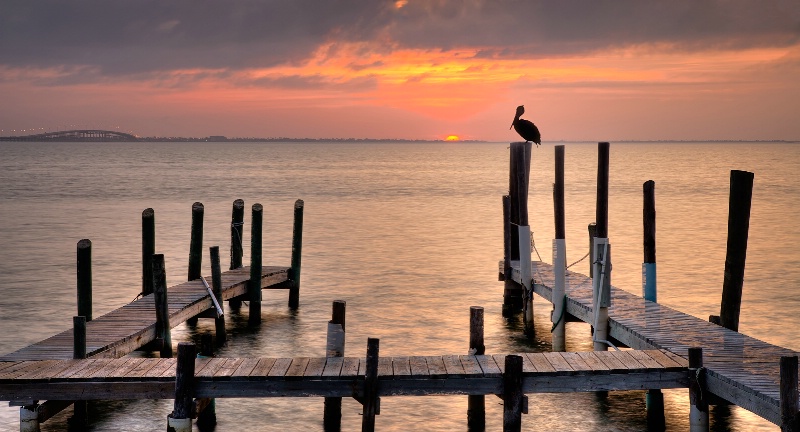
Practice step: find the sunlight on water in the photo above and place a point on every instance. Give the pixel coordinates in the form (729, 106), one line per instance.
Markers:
(408, 234)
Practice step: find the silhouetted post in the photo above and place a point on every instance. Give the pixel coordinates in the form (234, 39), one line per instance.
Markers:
(237, 230)
(162, 305)
(525, 277)
(181, 418)
(476, 404)
(216, 287)
(80, 413)
(790, 417)
(512, 394)
(148, 249)
(602, 252)
(698, 406)
(370, 401)
(738, 227)
(654, 398)
(297, 249)
(205, 408)
(512, 291)
(196, 249)
(85, 279)
(592, 235)
(332, 416)
(254, 286)
(558, 316)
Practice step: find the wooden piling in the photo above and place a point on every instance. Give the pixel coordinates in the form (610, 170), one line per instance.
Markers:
(592, 235)
(181, 418)
(559, 313)
(370, 401)
(741, 195)
(80, 415)
(148, 249)
(512, 292)
(216, 288)
(196, 244)
(698, 406)
(601, 214)
(162, 305)
(512, 394)
(237, 229)
(602, 291)
(525, 275)
(254, 286)
(332, 415)
(237, 247)
(476, 404)
(85, 279)
(790, 417)
(654, 398)
(297, 248)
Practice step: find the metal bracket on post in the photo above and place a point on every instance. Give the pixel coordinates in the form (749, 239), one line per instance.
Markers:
(601, 284)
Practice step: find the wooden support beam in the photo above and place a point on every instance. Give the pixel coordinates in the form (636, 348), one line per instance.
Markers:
(254, 287)
(698, 406)
(181, 418)
(332, 414)
(162, 305)
(601, 214)
(85, 279)
(196, 249)
(297, 253)
(790, 418)
(370, 399)
(216, 287)
(476, 404)
(237, 246)
(512, 394)
(148, 249)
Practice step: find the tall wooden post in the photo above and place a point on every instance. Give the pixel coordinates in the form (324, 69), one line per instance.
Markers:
(370, 401)
(512, 291)
(85, 279)
(698, 406)
(297, 248)
(254, 286)
(181, 418)
(196, 249)
(476, 404)
(332, 416)
(237, 230)
(558, 316)
(738, 227)
(216, 288)
(602, 251)
(512, 394)
(148, 249)
(790, 417)
(162, 305)
(654, 398)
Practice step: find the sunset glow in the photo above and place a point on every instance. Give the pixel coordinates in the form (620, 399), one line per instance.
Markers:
(395, 83)
(452, 138)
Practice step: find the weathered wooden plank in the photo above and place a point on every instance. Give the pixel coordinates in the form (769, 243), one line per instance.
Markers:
(436, 367)
(452, 364)
(488, 365)
(591, 360)
(540, 362)
(280, 367)
(471, 366)
(264, 367)
(558, 362)
(400, 367)
(210, 368)
(227, 370)
(315, 367)
(350, 367)
(385, 367)
(643, 358)
(663, 359)
(419, 366)
(246, 367)
(575, 361)
(333, 367)
(164, 365)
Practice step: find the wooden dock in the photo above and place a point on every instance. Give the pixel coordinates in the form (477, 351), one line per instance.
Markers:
(154, 378)
(740, 369)
(132, 326)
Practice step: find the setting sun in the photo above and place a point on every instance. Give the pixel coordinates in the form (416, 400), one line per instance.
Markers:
(452, 138)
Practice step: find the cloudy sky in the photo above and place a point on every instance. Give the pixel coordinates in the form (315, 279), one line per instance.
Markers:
(418, 69)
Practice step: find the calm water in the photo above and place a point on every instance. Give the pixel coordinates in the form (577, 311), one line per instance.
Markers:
(409, 235)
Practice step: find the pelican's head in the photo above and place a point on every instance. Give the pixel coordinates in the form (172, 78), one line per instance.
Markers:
(520, 111)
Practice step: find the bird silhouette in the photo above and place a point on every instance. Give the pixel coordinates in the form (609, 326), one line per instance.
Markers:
(526, 129)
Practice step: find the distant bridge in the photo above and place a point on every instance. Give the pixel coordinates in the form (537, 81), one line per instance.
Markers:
(75, 135)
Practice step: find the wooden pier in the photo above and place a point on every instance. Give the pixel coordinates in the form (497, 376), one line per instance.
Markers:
(739, 369)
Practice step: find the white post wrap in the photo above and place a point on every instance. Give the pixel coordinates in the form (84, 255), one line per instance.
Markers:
(179, 425)
(601, 292)
(29, 419)
(525, 270)
(559, 290)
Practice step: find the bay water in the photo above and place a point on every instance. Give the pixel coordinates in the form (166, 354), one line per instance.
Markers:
(409, 234)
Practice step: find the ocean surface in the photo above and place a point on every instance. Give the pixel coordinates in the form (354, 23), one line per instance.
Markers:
(409, 234)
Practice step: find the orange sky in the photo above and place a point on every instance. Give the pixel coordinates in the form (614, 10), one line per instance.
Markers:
(389, 85)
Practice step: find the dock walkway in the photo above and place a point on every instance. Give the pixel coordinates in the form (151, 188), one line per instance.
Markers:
(123, 330)
(154, 378)
(740, 369)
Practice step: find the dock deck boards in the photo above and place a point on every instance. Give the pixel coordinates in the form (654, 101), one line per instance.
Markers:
(154, 378)
(133, 325)
(739, 368)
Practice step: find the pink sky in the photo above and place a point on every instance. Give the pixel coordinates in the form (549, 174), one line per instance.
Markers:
(416, 69)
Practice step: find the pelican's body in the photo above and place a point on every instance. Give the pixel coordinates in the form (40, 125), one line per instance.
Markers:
(526, 129)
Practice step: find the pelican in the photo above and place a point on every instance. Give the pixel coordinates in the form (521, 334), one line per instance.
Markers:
(525, 128)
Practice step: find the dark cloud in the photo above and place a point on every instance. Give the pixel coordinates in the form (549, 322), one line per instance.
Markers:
(134, 36)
